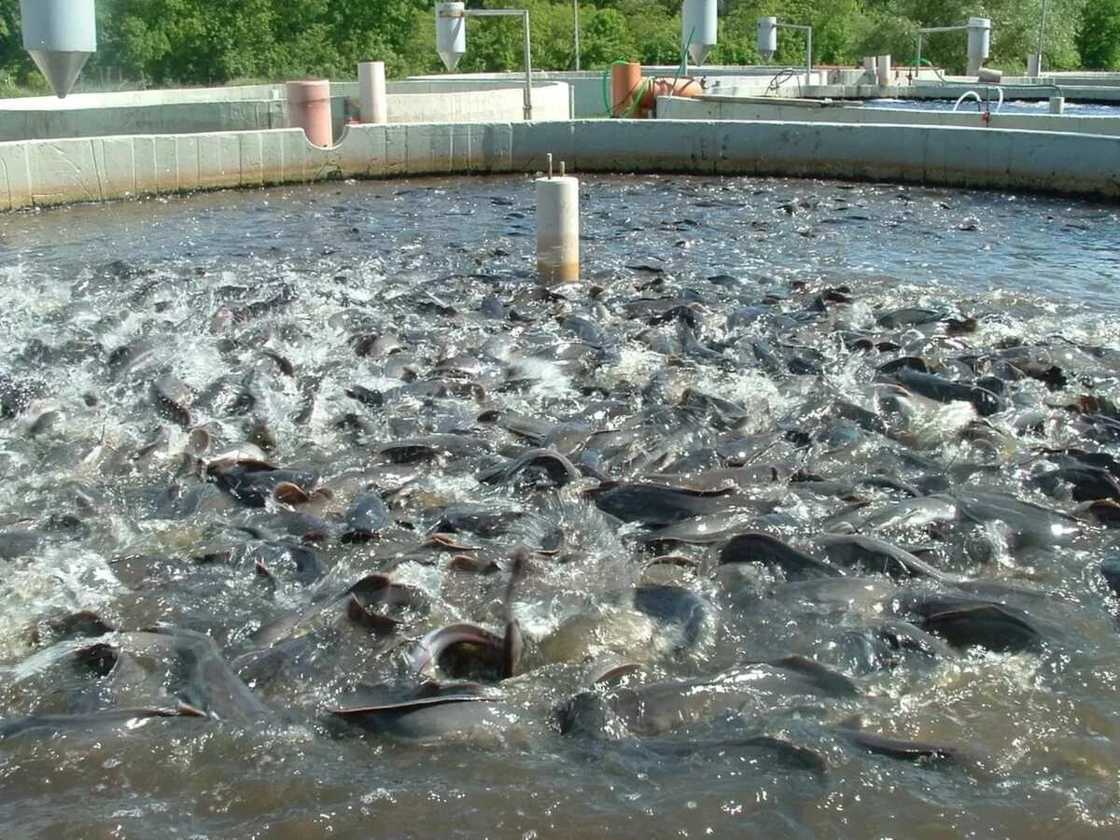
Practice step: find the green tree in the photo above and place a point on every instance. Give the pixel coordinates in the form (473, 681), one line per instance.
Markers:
(1099, 35)
(169, 42)
(15, 64)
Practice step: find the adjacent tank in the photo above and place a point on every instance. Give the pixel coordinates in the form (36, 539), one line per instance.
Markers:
(61, 35)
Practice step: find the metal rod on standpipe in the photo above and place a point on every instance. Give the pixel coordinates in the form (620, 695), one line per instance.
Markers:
(1041, 35)
(575, 28)
(982, 25)
(962, 27)
(809, 56)
(528, 72)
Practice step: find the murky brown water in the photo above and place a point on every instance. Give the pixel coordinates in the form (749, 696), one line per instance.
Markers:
(767, 294)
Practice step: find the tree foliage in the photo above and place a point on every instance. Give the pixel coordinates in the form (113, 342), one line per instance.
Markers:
(217, 41)
(1099, 36)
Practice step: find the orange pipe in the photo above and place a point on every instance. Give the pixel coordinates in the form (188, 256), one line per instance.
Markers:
(626, 79)
(309, 108)
(688, 88)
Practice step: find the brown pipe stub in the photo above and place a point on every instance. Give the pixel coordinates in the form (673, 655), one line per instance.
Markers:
(309, 108)
(689, 88)
(626, 79)
(635, 96)
(309, 91)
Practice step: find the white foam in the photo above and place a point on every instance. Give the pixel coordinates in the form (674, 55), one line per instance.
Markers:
(58, 579)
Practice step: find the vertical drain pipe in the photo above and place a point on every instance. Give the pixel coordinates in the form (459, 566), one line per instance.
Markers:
(309, 108)
(870, 66)
(626, 79)
(575, 29)
(883, 70)
(371, 92)
(528, 71)
(557, 228)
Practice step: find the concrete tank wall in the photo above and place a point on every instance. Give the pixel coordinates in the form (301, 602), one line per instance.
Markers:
(726, 108)
(426, 101)
(255, 107)
(1105, 94)
(590, 89)
(1082, 78)
(45, 172)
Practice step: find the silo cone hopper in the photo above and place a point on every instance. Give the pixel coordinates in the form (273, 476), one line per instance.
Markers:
(451, 33)
(698, 29)
(61, 35)
(767, 37)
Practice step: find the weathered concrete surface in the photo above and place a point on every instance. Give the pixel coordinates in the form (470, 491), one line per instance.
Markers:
(45, 172)
(1083, 78)
(257, 107)
(448, 101)
(804, 110)
(590, 89)
(1103, 94)
(98, 121)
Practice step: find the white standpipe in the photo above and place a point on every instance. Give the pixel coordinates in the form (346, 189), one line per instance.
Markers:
(883, 71)
(371, 92)
(557, 228)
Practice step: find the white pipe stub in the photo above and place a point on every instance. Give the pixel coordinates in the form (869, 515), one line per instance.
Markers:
(883, 73)
(558, 229)
(373, 106)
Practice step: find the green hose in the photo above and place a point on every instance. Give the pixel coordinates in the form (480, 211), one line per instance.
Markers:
(607, 105)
